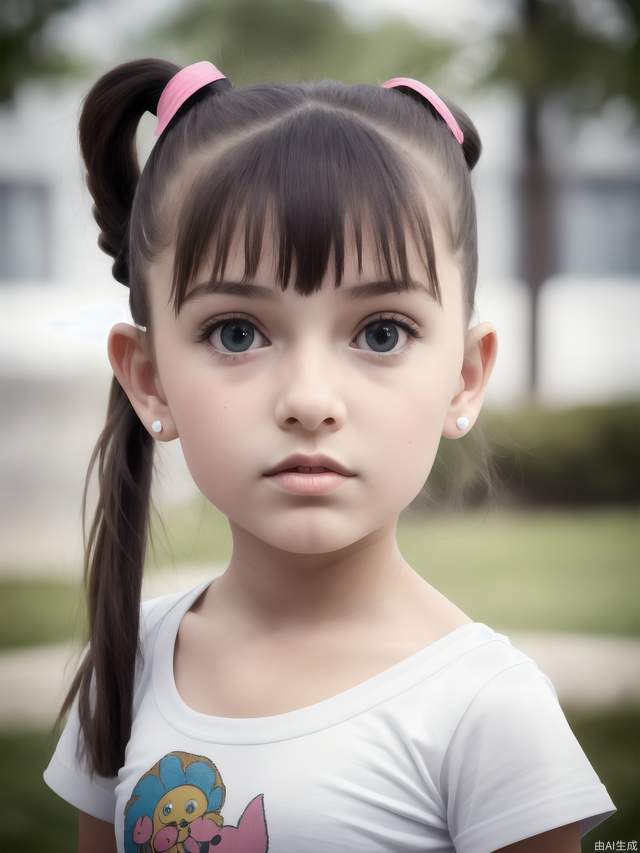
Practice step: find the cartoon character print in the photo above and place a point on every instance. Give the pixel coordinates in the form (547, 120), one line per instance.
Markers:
(175, 807)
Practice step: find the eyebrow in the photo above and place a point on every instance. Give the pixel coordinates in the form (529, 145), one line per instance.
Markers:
(258, 291)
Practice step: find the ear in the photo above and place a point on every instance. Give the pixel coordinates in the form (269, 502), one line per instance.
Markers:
(130, 355)
(481, 349)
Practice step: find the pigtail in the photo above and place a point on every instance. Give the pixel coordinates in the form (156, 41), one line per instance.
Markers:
(115, 551)
(471, 146)
(107, 132)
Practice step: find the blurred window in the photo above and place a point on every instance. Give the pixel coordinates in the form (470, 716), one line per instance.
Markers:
(598, 225)
(25, 228)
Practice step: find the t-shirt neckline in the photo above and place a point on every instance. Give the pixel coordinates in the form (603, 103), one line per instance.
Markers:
(301, 721)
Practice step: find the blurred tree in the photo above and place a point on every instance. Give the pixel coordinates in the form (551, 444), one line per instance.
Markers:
(553, 52)
(24, 49)
(266, 40)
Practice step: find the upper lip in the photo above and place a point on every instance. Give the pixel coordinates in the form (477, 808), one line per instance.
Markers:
(315, 461)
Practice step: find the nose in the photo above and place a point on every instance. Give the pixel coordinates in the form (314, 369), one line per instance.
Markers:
(308, 395)
(309, 409)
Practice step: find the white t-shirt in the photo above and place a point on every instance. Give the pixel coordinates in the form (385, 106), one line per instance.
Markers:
(461, 746)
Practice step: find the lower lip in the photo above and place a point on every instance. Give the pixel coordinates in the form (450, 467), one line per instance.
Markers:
(309, 484)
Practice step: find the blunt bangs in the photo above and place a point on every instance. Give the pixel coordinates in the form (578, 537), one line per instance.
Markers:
(316, 179)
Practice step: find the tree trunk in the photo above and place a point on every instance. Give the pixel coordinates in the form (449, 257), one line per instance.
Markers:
(535, 201)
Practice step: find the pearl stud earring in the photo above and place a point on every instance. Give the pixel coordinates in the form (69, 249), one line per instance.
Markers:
(462, 422)
(156, 426)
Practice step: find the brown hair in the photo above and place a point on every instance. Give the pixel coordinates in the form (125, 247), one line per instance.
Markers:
(318, 152)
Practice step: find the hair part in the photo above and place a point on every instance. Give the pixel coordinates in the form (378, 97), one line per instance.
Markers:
(313, 159)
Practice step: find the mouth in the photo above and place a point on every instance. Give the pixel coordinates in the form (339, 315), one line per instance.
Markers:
(317, 465)
(305, 469)
(309, 480)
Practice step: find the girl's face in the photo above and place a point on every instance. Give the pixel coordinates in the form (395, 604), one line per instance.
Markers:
(308, 377)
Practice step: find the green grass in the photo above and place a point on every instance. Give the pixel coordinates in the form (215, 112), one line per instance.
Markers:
(554, 570)
(30, 811)
(38, 611)
(611, 740)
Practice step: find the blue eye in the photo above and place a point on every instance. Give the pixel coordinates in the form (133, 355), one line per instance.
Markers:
(167, 809)
(243, 333)
(190, 807)
(384, 333)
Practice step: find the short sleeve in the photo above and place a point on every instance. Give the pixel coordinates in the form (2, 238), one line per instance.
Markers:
(70, 778)
(513, 767)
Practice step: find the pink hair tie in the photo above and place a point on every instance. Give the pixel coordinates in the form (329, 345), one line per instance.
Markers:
(433, 99)
(181, 86)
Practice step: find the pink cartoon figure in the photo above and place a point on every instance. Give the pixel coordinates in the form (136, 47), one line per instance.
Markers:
(249, 836)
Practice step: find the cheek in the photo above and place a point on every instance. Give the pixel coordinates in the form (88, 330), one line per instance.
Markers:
(215, 423)
(407, 432)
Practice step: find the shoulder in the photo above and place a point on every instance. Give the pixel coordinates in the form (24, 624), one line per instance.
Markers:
(154, 613)
(512, 767)
(484, 666)
(484, 689)
(154, 610)
(510, 699)
(505, 672)
(504, 690)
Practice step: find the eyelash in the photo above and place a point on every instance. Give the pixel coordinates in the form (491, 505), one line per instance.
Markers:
(209, 327)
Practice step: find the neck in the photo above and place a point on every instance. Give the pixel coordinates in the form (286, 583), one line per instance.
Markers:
(266, 589)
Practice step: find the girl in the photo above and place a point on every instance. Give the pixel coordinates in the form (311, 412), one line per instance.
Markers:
(319, 695)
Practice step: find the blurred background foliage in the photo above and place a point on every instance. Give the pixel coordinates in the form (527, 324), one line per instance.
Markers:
(574, 456)
(585, 62)
(25, 50)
